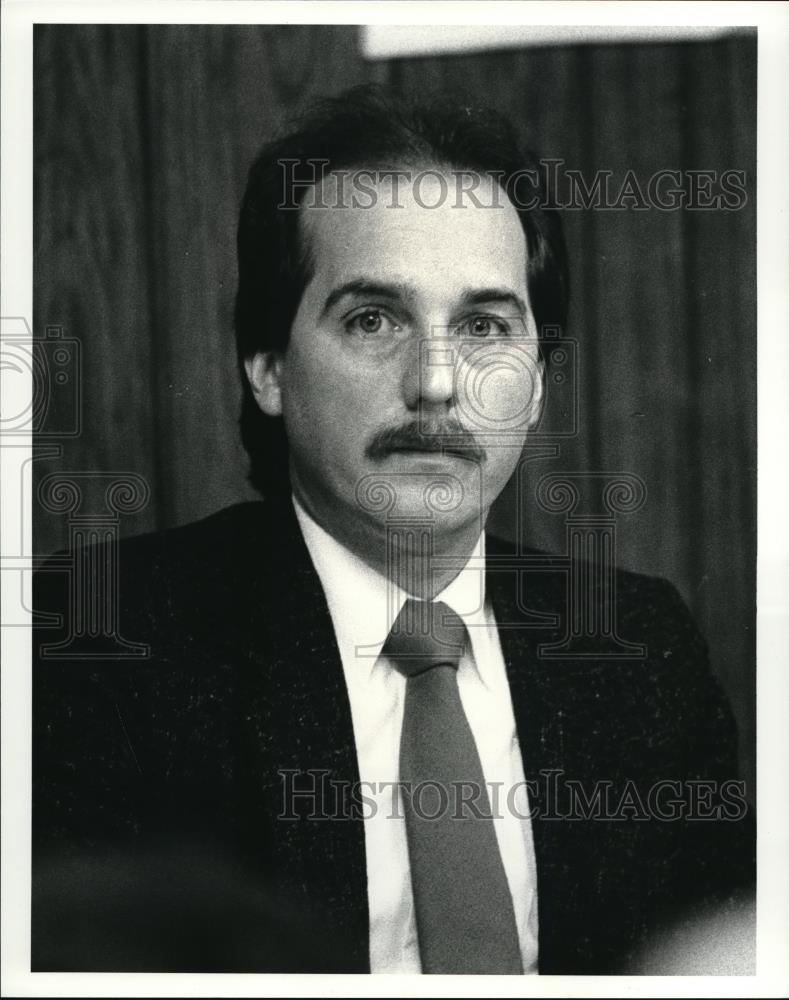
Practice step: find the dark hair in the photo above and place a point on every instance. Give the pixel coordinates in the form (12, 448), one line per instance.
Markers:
(367, 127)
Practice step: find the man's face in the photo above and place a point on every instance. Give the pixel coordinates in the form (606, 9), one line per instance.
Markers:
(411, 376)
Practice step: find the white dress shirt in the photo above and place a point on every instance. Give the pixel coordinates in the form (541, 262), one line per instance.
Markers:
(363, 605)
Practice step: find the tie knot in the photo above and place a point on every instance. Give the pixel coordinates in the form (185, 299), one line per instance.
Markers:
(426, 634)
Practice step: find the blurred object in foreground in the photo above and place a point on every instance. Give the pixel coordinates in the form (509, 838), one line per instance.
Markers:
(718, 941)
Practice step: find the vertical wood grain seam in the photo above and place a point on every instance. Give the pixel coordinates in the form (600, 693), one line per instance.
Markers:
(159, 492)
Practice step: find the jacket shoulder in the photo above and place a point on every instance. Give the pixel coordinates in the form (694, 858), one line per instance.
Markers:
(192, 573)
(640, 592)
(225, 534)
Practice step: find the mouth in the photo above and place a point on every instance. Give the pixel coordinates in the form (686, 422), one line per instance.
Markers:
(441, 451)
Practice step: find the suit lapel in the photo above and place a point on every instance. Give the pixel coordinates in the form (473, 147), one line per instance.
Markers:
(572, 717)
(528, 615)
(527, 607)
(301, 744)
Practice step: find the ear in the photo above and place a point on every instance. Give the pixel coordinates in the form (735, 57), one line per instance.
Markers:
(264, 371)
(538, 395)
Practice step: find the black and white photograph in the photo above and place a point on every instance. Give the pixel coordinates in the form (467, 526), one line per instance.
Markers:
(389, 470)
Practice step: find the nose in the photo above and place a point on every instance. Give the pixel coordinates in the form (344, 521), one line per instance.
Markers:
(429, 373)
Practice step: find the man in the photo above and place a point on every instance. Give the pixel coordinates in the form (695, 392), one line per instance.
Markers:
(351, 747)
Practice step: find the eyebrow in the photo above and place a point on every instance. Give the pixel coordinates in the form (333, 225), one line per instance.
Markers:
(401, 291)
(503, 296)
(373, 289)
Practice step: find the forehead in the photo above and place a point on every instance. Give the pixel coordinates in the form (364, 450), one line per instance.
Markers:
(423, 230)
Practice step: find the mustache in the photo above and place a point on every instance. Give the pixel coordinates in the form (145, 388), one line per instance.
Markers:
(447, 436)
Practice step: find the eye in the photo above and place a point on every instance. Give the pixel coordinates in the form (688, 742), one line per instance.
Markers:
(371, 322)
(484, 326)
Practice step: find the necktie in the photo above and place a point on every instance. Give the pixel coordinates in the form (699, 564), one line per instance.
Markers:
(464, 914)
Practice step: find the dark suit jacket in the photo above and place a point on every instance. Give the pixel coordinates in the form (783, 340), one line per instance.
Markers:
(158, 783)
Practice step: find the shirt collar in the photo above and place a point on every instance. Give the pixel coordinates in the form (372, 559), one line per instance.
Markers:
(364, 604)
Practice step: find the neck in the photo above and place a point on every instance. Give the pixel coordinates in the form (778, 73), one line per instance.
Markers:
(421, 559)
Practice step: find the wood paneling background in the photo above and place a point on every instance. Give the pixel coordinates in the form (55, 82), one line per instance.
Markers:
(143, 136)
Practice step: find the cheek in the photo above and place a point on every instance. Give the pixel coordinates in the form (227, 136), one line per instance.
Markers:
(327, 404)
(497, 391)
